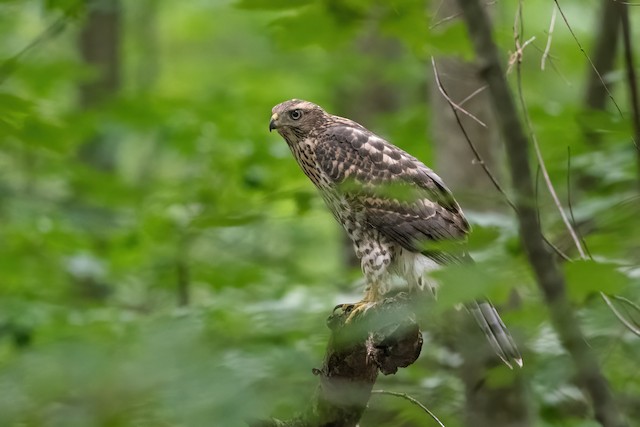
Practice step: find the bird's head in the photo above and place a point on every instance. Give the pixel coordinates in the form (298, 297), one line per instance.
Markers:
(294, 119)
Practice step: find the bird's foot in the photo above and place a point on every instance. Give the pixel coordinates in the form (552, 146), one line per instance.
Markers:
(355, 310)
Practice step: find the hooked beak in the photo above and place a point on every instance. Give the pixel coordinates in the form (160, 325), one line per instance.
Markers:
(273, 123)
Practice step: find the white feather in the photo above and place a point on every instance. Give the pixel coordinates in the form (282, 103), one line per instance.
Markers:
(415, 268)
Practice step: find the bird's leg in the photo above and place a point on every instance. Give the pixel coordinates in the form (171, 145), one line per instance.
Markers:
(375, 259)
(372, 296)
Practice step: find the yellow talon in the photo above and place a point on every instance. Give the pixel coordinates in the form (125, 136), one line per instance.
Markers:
(358, 309)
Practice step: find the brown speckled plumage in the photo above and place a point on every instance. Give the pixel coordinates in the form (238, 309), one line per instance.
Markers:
(391, 205)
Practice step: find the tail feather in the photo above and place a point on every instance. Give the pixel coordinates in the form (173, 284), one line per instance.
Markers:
(496, 332)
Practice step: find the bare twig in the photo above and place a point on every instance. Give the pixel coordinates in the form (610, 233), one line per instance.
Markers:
(627, 301)
(573, 219)
(453, 104)
(443, 20)
(633, 328)
(548, 242)
(548, 275)
(603, 53)
(452, 16)
(516, 57)
(475, 151)
(628, 3)
(536, 147)
(386, 339)
(632, 83)
(481, 161)
(472, 95)
(546, 177)
(553, 65)
(9, 65)
(412, 400)
(631, 76)
(548, 46)
(628, 305)
(593, 67)
(578, 241)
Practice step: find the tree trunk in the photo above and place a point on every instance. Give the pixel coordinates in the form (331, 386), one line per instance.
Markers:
(603, 55)
(386, 338)
(485, 404)
(548, 275)
(99, 45)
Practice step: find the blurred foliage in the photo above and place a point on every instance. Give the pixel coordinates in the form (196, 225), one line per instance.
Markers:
(93, 330)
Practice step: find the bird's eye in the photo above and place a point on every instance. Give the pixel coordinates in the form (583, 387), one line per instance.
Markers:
(295, 114)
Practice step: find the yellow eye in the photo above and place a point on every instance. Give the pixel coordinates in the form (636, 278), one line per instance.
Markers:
(295, 114)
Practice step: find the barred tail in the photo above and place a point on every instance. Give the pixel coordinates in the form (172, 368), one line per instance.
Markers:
(496, 332)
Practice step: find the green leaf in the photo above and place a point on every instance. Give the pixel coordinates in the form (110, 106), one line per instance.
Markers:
(500, 377)
(465, 283)
(587, 277)
(13, 112)
(271, 4)
(14, 104)
(313, 25)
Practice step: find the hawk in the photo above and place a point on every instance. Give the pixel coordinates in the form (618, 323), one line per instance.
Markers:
(396, 211)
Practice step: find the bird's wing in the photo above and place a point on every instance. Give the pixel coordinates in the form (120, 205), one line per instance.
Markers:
(401, 197)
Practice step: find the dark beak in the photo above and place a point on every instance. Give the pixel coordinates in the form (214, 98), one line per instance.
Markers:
(272, 124)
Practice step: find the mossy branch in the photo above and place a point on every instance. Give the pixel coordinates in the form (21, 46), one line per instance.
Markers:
(384, 339)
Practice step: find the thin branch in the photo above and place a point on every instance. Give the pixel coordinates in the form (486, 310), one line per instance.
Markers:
(435, 13)
(548, 242)
(516, 57)
(628, 3)
(635, 328)
(631, 75)
(627, 301)
(453, 104)
(556, 249)
(452, 16)
(629, 305)
(475, 151)
(481, 161)
(443, 20)
(473, 94)
(595, 70)
(384, 339)
(578, 241)
(553, 65)
(9, 65)
(537, 192)
(412, 400)
(573, 218)
(548, 46)
(621, 318)
(536, 147)
(603, 53)
(548, 276)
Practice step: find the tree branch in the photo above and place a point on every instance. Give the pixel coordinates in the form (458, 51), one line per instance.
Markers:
(632, 81)
(604, 54)
(383, 339)
(477, 155)
(548, 276)
(534, 139)
(412, 400)
(593, 67)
